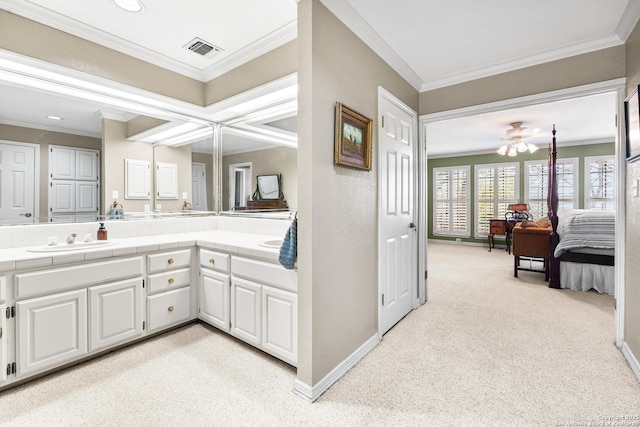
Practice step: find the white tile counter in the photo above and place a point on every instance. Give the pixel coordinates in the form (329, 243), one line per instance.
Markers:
(234, 242)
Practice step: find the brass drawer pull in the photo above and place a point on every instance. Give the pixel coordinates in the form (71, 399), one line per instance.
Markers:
(170, 261)
(212, 261)
(171, 280)
(170, 308)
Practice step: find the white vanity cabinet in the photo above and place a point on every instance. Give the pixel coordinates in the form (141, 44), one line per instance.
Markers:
(213, 289)
(169, 300)
(264, 306)
(65, 313)
(3, 331)
(115, 313)
(51, 330)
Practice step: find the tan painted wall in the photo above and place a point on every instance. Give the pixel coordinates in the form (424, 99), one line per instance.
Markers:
(273, 65)
(207, 159)
(182, 157)
(281, 160)
(598, 66)
(338, 220)
(44, 138)
(23, 36)
(632, 238)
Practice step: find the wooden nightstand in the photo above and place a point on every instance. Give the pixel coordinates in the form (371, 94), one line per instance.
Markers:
(500, 227)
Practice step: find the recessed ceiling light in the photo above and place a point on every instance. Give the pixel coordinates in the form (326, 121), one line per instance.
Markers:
(54, 118)
(129, 5)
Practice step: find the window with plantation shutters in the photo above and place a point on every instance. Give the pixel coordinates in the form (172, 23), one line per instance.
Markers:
(600, 182)
(536, 187)
(451, 201)
(496, 188)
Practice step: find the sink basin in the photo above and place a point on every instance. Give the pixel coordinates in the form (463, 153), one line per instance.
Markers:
(72, 246)
(273, 244)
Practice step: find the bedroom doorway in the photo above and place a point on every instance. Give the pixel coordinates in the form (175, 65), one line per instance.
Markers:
(484, 113)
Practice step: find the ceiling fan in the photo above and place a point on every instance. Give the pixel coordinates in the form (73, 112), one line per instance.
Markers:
(515, 141)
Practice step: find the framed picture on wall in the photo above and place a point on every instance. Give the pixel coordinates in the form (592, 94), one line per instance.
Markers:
(352, 144)
(632, 125)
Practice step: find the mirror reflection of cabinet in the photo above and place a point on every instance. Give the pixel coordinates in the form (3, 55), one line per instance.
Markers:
(74, 184)
(137, 177)
(268, 195)
(166, 181)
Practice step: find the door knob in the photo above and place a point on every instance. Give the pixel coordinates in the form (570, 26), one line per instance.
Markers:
(412, 225)
(170, 308)
(27, 215)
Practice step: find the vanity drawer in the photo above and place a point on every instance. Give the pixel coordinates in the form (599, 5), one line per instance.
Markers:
(60, 279)
(169, 308)
(263, 272)
(214, 260)
(167, 260)
(169, 280)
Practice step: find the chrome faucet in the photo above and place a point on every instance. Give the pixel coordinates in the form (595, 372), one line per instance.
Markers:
(71, 238)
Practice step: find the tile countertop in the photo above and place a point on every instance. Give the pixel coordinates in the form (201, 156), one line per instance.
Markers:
(235, 243)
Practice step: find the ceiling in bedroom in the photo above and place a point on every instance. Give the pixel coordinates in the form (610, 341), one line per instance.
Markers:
(430, 43)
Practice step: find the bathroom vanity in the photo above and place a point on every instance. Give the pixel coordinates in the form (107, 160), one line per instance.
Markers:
(60, 307)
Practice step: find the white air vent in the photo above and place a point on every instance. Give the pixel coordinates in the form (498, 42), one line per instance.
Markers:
(203, 48)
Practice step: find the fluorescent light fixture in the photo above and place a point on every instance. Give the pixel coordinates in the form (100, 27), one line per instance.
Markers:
(129, 5)
(54, 118)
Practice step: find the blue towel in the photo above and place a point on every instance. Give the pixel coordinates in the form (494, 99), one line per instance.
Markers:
(289, 248)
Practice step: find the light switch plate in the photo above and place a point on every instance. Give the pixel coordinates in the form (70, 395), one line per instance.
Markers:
(184, 196)
(115, 194)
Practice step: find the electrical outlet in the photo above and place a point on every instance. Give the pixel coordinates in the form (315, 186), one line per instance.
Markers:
(114, 194)
(458, 239)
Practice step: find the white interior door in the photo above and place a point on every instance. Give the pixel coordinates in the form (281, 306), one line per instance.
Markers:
(398, 233)
(17, 183)
(199, 187)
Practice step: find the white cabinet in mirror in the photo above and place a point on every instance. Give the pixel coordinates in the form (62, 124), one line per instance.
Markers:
(137, 179)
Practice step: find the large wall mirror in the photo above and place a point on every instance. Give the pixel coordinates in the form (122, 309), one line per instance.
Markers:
(188, 152)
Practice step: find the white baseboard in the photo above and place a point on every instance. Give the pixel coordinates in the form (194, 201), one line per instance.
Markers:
(311, 393)
(465, 243)
(631, 358)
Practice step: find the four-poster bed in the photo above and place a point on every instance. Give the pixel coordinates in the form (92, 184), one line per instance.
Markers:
(581, 242)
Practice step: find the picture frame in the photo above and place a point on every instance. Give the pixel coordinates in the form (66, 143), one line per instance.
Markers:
(632, 125)
(352, 142)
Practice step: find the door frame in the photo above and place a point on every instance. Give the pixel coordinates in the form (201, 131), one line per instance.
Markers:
(232, 180)
(617, 86)
(419, 288)
(36, 175)
(204, 167)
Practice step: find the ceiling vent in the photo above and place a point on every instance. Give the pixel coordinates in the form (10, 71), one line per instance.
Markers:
(204, 48)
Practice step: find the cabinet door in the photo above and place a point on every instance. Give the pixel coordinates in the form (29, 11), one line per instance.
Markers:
(245, 310)
(137, 178)
(62, 163)
(87, 196)
(51, 330)
(87, 165)
(3, 344)
(115, 313)
(280, 323)
(166, 181)
(213, 295)
(62, 196)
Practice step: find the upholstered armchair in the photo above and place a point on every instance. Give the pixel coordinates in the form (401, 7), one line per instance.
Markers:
(531, 242)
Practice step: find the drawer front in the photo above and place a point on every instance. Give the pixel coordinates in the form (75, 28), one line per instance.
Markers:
(169, 260)
(497, 230)
(169, 308)
(65, 278)
(262, 272)
(214, 260)
(169, 280)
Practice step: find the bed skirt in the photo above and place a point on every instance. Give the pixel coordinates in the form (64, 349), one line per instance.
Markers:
(583, 277)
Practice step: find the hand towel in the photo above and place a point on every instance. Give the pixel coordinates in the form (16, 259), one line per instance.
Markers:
(289, 248)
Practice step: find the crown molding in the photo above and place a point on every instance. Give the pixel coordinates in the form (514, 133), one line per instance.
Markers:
(528, 61)
(629, 19)
(50, 128)
(352, 19)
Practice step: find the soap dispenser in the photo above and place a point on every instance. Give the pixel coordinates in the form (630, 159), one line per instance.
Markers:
(102, 232)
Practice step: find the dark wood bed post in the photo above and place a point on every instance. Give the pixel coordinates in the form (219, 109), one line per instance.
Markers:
(552, 202)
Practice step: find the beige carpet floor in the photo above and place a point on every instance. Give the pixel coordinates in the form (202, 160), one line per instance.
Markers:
(486, 350)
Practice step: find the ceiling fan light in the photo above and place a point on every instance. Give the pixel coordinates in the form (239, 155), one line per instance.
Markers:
(532, 148)
(512, 151)
(522, 146)
(503, 150)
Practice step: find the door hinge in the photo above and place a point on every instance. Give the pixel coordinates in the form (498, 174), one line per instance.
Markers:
(425, 275)
(142, 283)
(382, 121)
(13, 368)
(383, 300)
(144, 324)
(11, 312)
(0, 332)
(8, 368)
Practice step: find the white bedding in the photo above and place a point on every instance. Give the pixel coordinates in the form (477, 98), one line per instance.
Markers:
(585, 228)
(583, 277)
